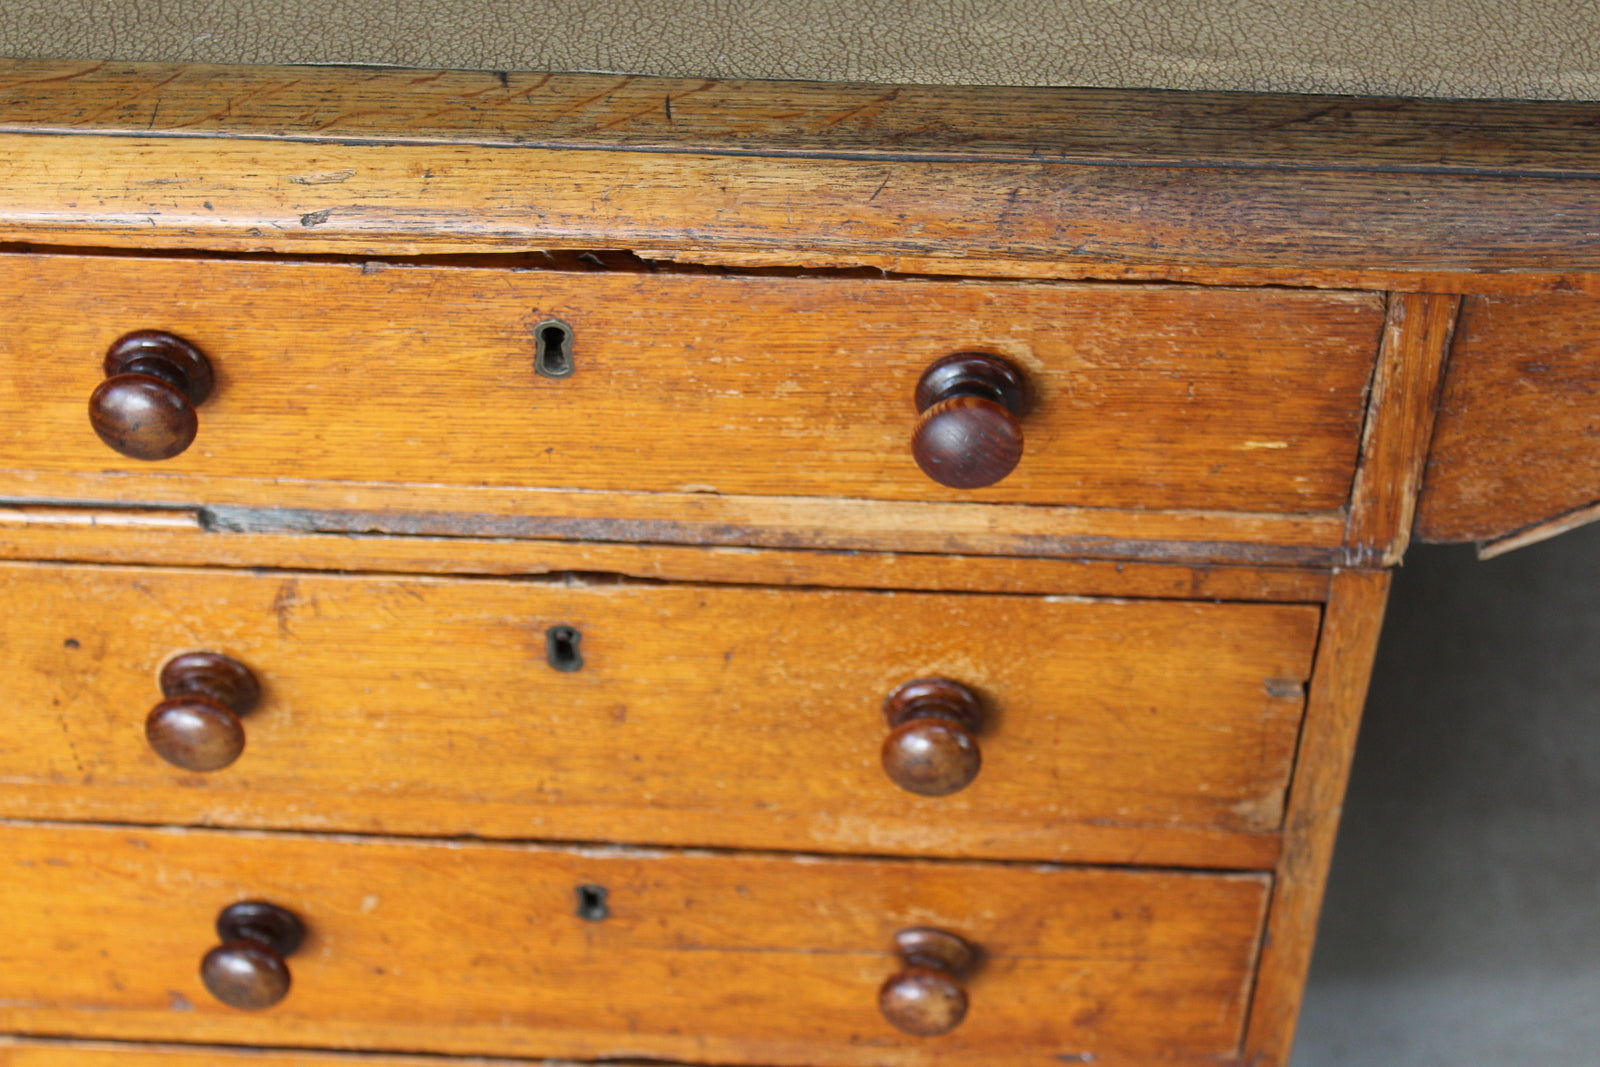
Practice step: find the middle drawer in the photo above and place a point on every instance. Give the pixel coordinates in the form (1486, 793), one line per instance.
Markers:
(1109, 731)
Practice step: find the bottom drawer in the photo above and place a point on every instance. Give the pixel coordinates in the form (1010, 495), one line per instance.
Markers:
(56, 1052)
(481, 949)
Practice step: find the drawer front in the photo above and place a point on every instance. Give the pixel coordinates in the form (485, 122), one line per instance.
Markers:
(479, 949)
(1141, 397)
(1111, 731)
(47, 1052)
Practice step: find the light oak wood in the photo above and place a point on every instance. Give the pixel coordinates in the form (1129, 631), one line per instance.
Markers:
(184, 537)
(415, 444)
(44, 1052)
(1327, 743)
(1217, 180)
(475, 948)
(1207, 537)
(1531, 535)
(1530, 280)
(1139, 398)
(1394, 446)
(118, 191)
(1145, 731)
(1109, 127)
(1515, 443)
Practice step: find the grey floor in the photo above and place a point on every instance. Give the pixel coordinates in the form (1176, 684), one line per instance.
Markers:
(1462, 923)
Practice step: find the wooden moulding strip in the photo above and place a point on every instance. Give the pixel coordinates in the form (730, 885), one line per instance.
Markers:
(1347, 277)
(708, 518)
(1217, 188)
(1352, 620)
(1543, 531)
(628, 112)
(400, 199)
(1402, 407)
(175, 537)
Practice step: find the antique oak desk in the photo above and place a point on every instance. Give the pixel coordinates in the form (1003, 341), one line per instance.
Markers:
(729, 573)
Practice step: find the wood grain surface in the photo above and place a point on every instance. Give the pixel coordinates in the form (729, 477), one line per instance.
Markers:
(713, 519)
(1140, 397)
(1518, 422)
(1130, 731)
(189, 537)
(1400, 422)
(47, 1052)
(144, 192)
(474, 948)
(1147, 268)
(230, 159)
(1327, 744)
(629, 112)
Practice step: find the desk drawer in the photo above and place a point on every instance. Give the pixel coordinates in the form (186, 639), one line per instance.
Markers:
(1149, 731)
(1138, 397)
(476, 948)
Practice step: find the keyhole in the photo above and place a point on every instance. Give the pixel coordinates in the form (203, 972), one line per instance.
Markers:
(561, 648)
(592, 903)
(552, 349)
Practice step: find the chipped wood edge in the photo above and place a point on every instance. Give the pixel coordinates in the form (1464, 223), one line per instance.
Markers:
(1406, 387)
(1532, 535)
(1345, 653)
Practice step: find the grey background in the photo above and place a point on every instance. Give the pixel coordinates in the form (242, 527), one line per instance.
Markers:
(1462, 923)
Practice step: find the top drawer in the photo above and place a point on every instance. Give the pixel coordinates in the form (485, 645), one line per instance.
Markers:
(1139, 397)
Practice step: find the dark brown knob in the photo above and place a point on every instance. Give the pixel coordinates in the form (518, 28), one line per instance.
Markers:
(145, 407)
(248, 970)
(968, 436)
(197, 727)
(926, 997)
(930, 748)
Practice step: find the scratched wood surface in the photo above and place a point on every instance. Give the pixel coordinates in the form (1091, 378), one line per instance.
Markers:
(1515, 445)
(1115, 731)
(187, 537)
(258, 196)
(1140, 397)
(774, 117)
(419, 160)
(474, 948)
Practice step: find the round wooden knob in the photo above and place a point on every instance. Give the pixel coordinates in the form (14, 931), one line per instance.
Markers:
(197, 727)
(247, 970)
(926, 998)
(930, 749)
(969, 435)
(145, 407)
(245, 974)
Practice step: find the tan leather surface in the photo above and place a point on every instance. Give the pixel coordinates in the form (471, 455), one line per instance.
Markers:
(1535, 49)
